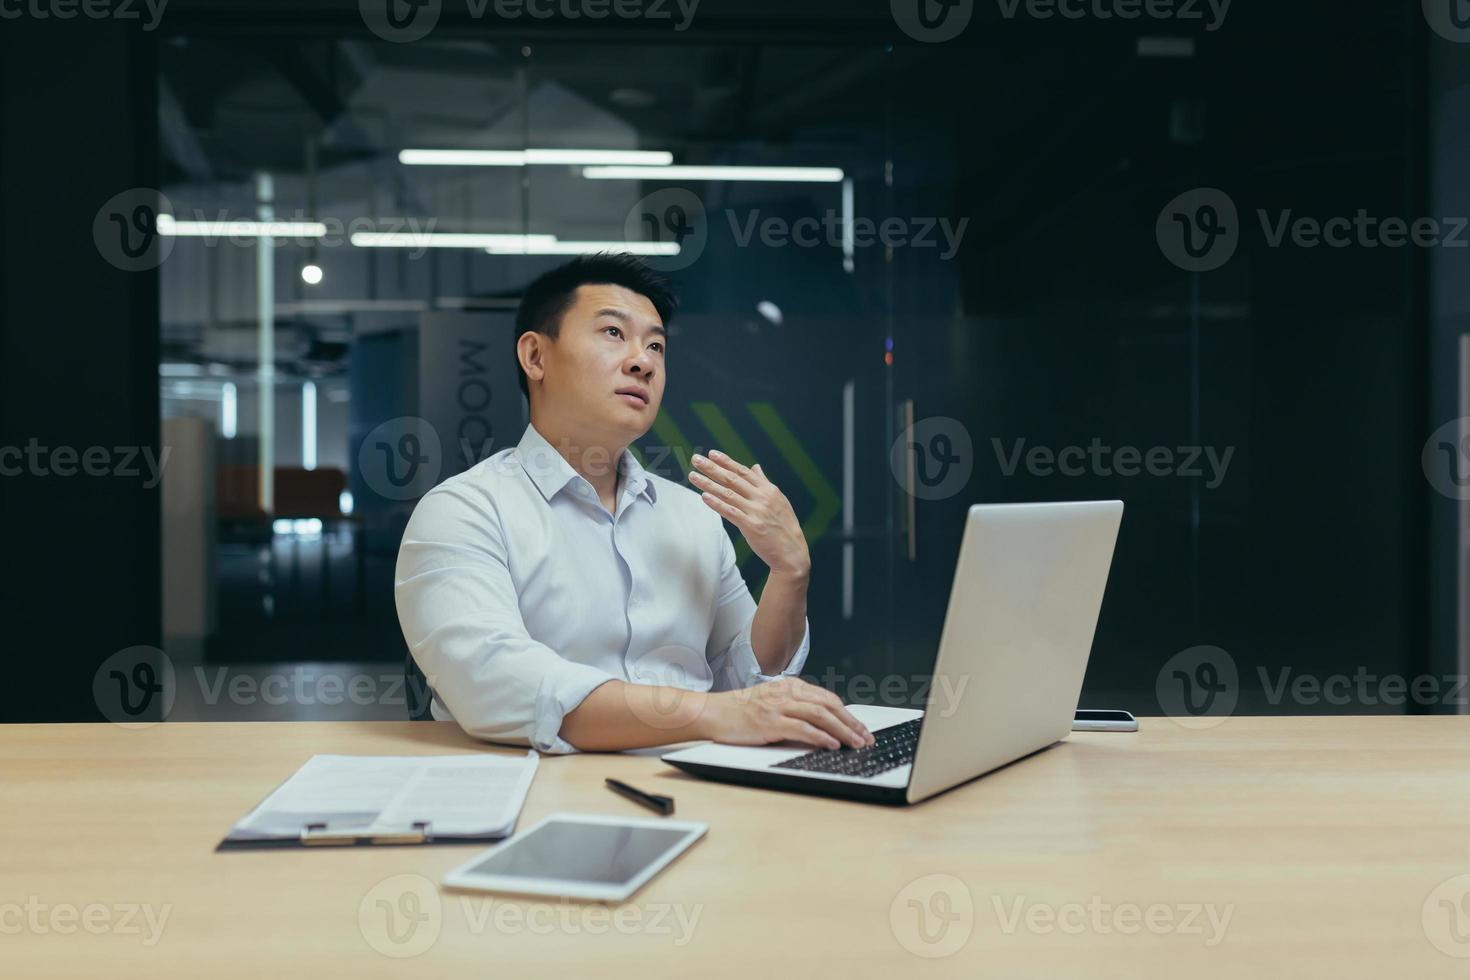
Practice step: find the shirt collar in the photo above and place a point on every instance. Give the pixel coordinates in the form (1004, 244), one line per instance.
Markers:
(551, 473)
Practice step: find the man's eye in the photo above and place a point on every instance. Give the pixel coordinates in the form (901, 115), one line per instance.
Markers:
(658, 347)
(615, 330)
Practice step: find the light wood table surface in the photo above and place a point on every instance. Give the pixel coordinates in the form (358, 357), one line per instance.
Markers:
(1271, 847)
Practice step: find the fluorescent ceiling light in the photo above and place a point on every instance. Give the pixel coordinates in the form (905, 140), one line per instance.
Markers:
(521, 158)
(819, 175)
(427, 239)
(582, 248)
(239, 229)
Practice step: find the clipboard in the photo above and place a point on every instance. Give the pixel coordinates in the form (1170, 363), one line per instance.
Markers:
(394, 801)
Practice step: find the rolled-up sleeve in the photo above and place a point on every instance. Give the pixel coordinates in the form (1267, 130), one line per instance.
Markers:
(460, 617)
(731, 657)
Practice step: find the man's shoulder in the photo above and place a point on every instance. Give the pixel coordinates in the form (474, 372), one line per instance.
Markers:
(482, 486)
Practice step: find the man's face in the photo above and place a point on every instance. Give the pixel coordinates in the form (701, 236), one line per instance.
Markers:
(604, 373)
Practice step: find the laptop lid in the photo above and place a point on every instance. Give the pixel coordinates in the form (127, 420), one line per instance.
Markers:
(1023, 609)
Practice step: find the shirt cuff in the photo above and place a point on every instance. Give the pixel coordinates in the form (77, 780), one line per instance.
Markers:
(561, 692)
(798, 659)
(742, 668)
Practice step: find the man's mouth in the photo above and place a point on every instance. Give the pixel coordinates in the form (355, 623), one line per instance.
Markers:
(636, 396)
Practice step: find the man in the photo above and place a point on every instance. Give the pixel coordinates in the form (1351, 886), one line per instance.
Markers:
(560, 596)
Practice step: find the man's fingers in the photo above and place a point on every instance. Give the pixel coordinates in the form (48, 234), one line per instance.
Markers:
(725, 473)
(851, 720)
(724, 508)
(810, 734)
(827, 720)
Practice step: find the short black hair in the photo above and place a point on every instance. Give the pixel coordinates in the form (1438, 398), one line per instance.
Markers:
(552, 293)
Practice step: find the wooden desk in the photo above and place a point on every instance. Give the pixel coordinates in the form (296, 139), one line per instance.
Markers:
(1322, 838)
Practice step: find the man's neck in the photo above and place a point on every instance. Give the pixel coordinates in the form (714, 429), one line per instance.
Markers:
(594, 461)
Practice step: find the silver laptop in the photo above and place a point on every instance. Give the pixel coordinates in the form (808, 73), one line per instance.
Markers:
(1027, 590)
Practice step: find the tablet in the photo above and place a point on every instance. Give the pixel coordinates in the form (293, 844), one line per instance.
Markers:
(579, 855)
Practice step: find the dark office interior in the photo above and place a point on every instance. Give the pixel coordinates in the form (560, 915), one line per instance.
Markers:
(1303, 509)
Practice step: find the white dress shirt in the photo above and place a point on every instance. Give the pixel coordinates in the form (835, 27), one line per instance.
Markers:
(518, 593)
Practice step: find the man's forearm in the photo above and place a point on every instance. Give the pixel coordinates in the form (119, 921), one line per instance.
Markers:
(618, 715)
(780, 620)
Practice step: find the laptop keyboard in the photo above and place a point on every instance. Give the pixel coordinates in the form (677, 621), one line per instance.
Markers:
(892, 747)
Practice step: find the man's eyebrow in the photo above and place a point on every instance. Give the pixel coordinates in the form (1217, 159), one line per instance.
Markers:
(622, 315)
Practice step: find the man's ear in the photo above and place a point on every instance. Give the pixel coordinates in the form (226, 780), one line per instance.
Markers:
(531, 351)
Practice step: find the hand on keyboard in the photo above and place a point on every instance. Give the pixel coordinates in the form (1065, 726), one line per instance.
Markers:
(788, 708)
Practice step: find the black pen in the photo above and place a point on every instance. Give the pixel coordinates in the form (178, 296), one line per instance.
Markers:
(656, 803)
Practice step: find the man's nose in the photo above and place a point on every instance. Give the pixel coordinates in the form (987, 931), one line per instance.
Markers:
(641, 365)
